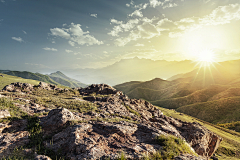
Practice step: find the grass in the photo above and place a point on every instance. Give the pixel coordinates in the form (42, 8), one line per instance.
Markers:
(230, 146)
(7, 79)
(132, 111)
(233, 126)
(54, 99)
(36, 139)
(171, 147)
(15, 112)
(218, 111)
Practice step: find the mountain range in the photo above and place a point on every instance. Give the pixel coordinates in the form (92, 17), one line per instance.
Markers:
(56, 78)
(210, 93)
(134, 69)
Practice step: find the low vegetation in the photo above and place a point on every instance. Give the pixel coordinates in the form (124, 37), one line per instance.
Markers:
(230, 146)
(15, 112)
(233, 126)
(7, 79)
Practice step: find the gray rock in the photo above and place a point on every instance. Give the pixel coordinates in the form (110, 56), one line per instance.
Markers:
(4, 114)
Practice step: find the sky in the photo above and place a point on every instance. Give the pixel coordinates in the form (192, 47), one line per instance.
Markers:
(48, 35)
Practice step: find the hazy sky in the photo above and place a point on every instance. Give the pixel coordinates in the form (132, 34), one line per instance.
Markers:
(39, 35)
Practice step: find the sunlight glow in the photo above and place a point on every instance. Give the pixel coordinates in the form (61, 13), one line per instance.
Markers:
(206, 56)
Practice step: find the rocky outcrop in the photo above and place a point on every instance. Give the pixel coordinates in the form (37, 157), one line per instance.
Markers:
(42, 157)
(17, 87)
(118, 125)
(97, 139)
(9, 141)
(103, 89)
(57, 120)
(4, 114)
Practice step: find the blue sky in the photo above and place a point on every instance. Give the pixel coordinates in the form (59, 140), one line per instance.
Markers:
(48, 35)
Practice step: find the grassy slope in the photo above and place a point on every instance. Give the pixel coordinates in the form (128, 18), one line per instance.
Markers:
(219, 111)
(196, 97)
(64, 80)
(34, 76)
(229, 147)
(7, 79)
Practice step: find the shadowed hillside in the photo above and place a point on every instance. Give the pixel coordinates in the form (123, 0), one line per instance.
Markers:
(198, 93)
(66, 81)
(56, 78)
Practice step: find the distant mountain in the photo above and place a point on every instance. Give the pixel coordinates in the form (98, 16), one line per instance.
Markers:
(56, 78)
(193, 92)
(66, 81)
(134, 69)
(34, 76)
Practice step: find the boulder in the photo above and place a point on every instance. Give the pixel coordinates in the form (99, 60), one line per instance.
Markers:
(17, 87)
(9, 141)
(42, 157)
(4, 114)
(56, 119)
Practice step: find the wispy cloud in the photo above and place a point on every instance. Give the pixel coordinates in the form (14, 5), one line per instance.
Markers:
(93, 15)
(68, 51)
(136, 13)
(139, 45)
(24, 32)
(75, 35)
(145, 28)
(2, 1)
(19, 39)
(50, 49)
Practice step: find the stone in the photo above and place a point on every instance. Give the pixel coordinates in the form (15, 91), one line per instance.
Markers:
(56, 119)
(9, 141)
(4, 114)
(42, 157)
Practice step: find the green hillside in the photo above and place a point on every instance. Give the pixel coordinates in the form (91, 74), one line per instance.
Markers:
(59, 77)
(56, 78)
(196, 97)
(229, 148)
(34, 76)
(7, 79)
(219, 111)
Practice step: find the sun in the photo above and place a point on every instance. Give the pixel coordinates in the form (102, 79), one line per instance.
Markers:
(206, 56)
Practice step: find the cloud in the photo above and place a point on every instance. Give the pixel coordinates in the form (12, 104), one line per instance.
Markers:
(24, 32)
(94, 15)
(222, 15)
(75, 35)
(50, 49)
(128, 5)
(145, 28)
(136, 13)
(155, 3)
(122, 27)
(19, 39)
(139, 45)
(71, 43)
(2, 1)
(68, 51)
(169, 5)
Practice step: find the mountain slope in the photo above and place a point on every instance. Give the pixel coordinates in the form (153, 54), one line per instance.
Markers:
(132, 70)
(66, 81)
(7, 79)
(196, 93)
(56, 78)
(220, 111)
(195, 97)
(34, 76)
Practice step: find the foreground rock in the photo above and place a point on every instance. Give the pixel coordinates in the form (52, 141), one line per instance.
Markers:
(118, 125)
(4, 114)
